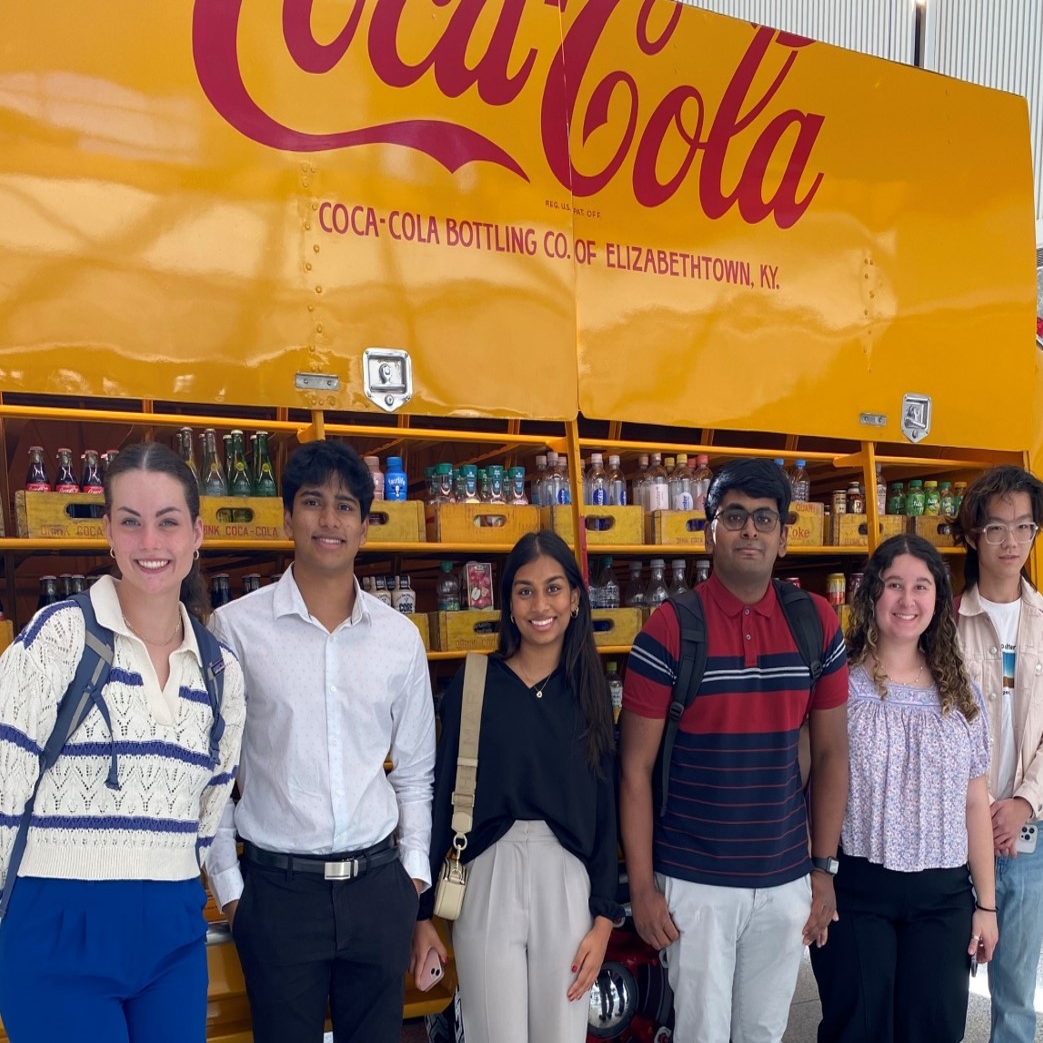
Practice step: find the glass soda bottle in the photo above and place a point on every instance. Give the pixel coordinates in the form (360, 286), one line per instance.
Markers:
(36, 480)
(220, 589)
(265, 484)
(239, 483)
(185, 447)
(608, 585)
(251, 582)
(617, 484)
(65, 480)
(448, 588)
(657, 591)
(634, 595)
(212, 481)
(702, 476)
(91, 481)
(48, 592)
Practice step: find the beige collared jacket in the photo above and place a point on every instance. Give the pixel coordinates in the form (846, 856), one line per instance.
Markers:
(984, 659)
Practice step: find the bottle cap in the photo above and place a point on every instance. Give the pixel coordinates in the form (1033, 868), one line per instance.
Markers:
(394, 463)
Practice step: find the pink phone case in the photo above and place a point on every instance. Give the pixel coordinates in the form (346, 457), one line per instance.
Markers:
(431, 971)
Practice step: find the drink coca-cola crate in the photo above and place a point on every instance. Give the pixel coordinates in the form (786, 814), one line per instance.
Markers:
(471, 630)
(480, 522)
(396, 521)
(247, 518)
(852, 530)
(807, 523)
(420, 621)
(59, 516)
(617, 526)
(935, 528)
(616, 626)
(683, 528)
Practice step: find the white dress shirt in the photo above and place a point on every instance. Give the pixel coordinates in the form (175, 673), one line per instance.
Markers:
(323, 710)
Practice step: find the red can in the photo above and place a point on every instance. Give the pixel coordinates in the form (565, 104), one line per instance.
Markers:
(836, 587)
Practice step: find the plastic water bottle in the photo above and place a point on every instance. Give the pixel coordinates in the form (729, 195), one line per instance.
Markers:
(607, 585)
(595, 483)
(539, 480)
(681, 498)
(617, 484)
(615, 688)
(677, 580)
(881, 491)
(800, 483)
(634, 597)
(702, 476)
(639, 489)
(658, 485)
(552, 481)
(657, 591)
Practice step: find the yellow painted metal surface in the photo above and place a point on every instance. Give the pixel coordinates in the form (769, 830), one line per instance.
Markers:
(627, 207)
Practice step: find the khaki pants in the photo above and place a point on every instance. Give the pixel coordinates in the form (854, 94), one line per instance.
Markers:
(525, 913)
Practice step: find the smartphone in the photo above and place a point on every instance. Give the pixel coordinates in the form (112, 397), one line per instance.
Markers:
(1026, 842)
(430, 972)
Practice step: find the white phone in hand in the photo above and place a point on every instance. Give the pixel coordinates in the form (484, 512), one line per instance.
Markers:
(1026, 841)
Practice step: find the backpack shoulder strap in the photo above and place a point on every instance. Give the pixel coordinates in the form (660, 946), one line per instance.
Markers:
(804, 624)
(92, 673)
(214, 678)
(690, 670)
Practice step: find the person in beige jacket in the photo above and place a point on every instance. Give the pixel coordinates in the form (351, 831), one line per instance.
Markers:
(1000, 622)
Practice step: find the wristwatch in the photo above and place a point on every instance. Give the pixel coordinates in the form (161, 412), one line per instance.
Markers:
(827, 865)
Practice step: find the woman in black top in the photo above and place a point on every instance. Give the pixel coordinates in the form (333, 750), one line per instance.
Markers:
(543, 872)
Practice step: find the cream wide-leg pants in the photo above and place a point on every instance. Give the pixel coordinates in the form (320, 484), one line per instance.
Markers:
(525, 913)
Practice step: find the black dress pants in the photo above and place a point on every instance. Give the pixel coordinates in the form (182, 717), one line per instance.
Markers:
(305, 941)
(895, 967)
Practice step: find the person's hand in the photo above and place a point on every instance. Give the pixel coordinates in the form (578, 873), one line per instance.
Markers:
(229, 911)
(984, 935)
(1008, 816)
(589, 956)
(652, 918)
(823, 909)
(425, 938)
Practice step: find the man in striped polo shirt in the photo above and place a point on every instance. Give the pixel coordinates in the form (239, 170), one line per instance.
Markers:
(725, 880)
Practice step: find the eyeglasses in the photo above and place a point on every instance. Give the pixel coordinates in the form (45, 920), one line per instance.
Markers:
(996, 532)
(734, 519)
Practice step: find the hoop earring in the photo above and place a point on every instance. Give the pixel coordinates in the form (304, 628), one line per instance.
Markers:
(195, 555)
(512, 619)
(574, 613)
(112, 554)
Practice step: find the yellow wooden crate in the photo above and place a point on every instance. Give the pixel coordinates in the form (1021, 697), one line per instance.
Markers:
(852, 530)
(396, 521)
(616, 626)
(242, 517)
(683, 528)
(71, 516)
(604, 525)
(480, 522)
(806, 524)
(6, 633)
(467, 631)
(935, 528)
(419, 619)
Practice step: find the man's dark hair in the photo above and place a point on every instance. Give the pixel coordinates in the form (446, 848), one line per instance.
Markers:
(1002, 481)
(758, 479)
(317, 463)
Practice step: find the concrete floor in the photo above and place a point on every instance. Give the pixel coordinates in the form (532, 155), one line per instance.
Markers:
(805, 1011)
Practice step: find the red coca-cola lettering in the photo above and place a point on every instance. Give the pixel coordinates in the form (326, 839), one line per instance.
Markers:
(780, 153)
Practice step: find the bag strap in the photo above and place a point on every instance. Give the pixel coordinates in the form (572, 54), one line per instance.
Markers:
(214, 679)
(804, 624)
(92, 673)
(467, 756)
(690, 670)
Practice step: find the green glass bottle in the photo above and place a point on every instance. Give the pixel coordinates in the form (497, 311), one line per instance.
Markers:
(212, 481)
(239, 483)
(265, 485)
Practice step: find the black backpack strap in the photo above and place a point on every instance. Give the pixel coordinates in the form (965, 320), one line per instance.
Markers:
(83, 693)
(690, 669)
(804, 624)
(214, 678)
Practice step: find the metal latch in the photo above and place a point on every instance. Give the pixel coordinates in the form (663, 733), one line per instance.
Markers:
(388, 375)
(916, 417)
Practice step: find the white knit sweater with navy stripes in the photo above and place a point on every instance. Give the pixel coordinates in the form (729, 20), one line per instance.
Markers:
(159, 822)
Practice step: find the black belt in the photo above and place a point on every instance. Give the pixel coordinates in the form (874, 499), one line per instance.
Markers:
(346, 866)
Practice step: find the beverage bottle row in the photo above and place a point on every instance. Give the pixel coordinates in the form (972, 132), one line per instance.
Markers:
(469, 483)
(234, 475)
(650, 593)
(58, 588)
(93, 466)
(671, 483)
(395, 591)
(925, 497)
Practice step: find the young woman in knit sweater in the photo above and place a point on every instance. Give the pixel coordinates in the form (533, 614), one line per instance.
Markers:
(104, 937)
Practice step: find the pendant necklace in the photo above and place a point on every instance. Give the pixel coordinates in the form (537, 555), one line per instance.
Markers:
(149, 641)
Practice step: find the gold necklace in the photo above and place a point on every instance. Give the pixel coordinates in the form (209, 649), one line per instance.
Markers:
(539, 686)
(149, 641)
(907, 684)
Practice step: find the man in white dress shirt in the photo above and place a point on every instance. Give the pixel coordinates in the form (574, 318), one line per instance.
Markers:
(335, 849)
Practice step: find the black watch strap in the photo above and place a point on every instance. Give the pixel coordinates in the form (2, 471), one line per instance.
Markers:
(826, 865)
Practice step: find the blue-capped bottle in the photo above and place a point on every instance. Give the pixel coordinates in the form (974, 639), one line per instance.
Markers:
(396, 484)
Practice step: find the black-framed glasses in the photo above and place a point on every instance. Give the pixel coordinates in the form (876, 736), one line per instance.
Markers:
(996, 532)
(734, 518)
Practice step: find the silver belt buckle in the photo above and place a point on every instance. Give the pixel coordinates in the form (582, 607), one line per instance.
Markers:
(346, 870)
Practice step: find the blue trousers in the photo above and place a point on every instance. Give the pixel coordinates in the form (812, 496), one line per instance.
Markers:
(1012, 972)
(109, 961)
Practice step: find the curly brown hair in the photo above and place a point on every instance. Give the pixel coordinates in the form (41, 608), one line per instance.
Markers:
(938, 642)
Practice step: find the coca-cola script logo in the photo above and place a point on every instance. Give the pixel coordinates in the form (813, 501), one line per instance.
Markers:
(681, 122)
